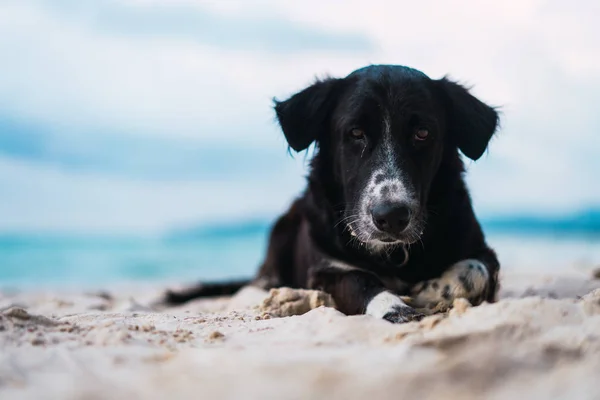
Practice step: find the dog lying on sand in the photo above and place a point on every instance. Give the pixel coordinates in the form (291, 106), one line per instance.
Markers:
(386, 212)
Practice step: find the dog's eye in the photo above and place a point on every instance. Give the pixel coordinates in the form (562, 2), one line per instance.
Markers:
(421, 134)
(357, 134)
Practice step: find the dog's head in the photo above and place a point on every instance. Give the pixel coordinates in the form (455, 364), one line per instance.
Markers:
(384, 131)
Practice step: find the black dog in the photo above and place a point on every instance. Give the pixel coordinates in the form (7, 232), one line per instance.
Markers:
(386, 211)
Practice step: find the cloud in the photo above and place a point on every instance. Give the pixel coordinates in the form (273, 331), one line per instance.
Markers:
(141, 113)
(255, 30)
(61, 69)
(140, 157)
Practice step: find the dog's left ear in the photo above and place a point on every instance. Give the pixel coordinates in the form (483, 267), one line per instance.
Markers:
(471, 123)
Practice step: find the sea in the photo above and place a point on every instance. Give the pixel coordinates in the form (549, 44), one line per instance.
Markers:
(210, 253)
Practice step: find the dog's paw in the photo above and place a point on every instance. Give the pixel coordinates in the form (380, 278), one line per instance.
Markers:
(400, 315)
(390, 307)
(466, 279)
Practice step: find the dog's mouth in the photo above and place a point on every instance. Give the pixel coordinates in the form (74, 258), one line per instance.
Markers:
(365, 233)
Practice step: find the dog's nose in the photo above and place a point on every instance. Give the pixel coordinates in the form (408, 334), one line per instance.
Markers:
(391, 217)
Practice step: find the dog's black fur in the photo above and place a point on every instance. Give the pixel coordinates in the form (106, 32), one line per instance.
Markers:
(325, 240)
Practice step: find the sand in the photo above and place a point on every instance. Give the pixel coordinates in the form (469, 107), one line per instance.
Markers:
(541, 341)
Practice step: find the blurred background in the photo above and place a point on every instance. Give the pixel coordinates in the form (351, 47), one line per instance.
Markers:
(138, 143)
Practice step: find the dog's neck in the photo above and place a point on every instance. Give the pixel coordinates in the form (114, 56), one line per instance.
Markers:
(333, 239)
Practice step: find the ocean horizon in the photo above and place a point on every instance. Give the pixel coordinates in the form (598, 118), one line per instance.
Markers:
(235, 250)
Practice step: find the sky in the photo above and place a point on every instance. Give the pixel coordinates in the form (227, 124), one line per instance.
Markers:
(139, 116)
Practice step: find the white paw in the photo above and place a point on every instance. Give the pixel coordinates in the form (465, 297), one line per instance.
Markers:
(388, 306)
(466, 279)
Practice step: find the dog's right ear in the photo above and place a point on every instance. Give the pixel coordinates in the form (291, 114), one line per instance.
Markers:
(304, 116)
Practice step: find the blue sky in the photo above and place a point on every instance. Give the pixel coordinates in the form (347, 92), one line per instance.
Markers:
(143, 116)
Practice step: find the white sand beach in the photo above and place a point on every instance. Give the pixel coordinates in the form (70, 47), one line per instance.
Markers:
(541, 341)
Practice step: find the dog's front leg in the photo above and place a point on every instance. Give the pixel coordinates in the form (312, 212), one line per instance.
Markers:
(358, 291)
(469, 279)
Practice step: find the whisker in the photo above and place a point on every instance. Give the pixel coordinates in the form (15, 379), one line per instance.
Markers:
(347, 218)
